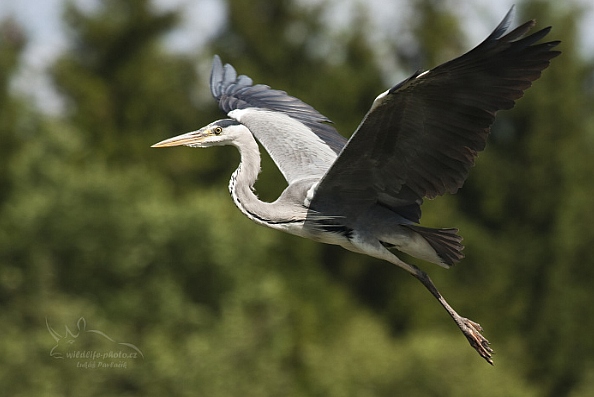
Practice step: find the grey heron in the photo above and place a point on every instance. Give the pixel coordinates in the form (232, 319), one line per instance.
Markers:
(417, 141)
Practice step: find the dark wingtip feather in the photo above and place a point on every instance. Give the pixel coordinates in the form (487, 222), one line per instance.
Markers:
(504, 25)
(216, 76)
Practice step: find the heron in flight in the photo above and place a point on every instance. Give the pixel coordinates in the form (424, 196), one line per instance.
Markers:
(417, 141)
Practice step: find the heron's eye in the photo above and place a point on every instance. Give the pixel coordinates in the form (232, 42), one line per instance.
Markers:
(218, 130)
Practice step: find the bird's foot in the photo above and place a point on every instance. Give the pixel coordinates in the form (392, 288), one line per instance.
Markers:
(472, 331)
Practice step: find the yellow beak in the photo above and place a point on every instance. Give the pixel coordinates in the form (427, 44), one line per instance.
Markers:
(184, 139)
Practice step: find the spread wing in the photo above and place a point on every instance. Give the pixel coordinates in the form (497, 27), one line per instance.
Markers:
(299, 139)
(420, 137)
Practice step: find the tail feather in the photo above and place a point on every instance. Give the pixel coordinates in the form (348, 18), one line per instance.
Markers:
(447, 243)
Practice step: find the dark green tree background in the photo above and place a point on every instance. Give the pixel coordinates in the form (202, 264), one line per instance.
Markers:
(147, 246)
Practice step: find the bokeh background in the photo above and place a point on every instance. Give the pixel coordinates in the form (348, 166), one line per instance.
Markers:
(146, 245)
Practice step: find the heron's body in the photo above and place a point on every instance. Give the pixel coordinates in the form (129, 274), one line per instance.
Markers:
(417, 141)
(289, 213)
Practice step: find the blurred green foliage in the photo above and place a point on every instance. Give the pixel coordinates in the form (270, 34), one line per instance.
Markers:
(146, 245)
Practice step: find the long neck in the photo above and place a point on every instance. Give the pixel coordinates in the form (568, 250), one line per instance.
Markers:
(241, 187)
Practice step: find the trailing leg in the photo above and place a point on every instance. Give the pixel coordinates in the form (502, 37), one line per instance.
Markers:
(471, 330)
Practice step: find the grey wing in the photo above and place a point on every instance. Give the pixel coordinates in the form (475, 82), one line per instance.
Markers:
(299, 139)
(420, 138)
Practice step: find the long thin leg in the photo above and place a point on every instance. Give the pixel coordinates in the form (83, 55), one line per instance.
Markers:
(470, 329)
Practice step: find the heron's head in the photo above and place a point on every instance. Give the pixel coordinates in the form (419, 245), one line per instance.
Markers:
(218, 133)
